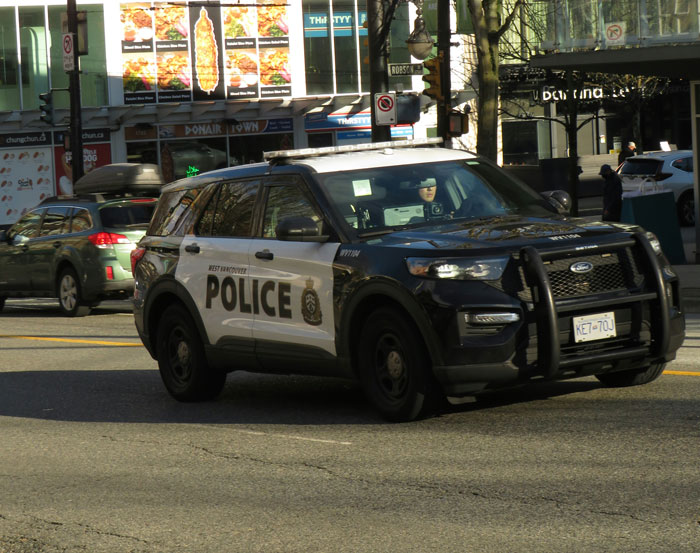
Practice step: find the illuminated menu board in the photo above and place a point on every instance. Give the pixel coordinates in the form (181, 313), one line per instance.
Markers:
(190, 51)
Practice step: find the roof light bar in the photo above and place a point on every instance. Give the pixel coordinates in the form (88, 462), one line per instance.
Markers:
(310, 152)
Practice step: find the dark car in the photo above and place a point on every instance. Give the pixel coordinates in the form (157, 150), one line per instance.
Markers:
(74, 248)
(420, 271)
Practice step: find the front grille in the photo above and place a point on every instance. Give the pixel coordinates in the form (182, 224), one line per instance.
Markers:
(612, 271)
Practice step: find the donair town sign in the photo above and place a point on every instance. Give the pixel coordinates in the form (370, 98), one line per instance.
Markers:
(552, 94)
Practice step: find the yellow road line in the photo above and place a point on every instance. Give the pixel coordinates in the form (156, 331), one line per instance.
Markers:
(71, 340)
(683, 373)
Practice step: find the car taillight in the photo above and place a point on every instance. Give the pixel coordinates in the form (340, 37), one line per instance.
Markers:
(662, 176)
(136, 255)
(109, 271)
(107, 239)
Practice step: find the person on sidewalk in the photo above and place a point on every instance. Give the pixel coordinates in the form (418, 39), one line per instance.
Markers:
(612, 194)
(627, 151)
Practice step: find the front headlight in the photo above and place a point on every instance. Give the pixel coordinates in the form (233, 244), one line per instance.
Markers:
(458, 268)
(654, 241)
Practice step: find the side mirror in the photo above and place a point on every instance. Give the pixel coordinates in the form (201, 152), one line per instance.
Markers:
(299, 229)
(559, 199)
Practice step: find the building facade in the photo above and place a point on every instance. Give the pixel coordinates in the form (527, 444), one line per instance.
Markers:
(191, 86)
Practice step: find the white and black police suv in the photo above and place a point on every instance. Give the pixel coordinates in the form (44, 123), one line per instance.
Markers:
(424, 272)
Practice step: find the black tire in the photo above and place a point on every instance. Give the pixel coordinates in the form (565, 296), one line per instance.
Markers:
(634, 377)
(2, 302)
(70, 298)
(181, 360)
(394, 368)
(686, 209)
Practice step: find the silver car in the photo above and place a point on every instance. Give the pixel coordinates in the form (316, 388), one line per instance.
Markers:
(668, 170)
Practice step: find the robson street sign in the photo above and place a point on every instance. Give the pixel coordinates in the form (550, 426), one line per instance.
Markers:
(401, 69)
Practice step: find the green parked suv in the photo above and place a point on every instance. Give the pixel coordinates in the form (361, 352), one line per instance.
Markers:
(75, 248)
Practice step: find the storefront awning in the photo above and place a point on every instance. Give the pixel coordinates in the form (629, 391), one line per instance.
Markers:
(674, 61)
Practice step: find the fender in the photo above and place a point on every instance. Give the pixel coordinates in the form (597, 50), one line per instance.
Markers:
(395, 291)
(168, 285)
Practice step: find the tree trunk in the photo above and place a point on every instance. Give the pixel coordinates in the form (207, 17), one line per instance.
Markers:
(485, 18)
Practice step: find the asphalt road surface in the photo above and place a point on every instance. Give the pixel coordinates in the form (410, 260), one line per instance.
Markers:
(95, 456)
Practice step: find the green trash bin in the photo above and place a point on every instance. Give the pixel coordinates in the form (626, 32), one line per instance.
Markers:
(656, 212)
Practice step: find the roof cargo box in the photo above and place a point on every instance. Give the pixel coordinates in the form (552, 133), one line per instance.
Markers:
(121, 178)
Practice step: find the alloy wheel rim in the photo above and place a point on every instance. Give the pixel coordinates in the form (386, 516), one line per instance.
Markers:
(69, 293)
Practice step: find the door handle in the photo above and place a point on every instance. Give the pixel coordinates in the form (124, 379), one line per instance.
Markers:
(56, 244)
(265, 254)
(192, 248)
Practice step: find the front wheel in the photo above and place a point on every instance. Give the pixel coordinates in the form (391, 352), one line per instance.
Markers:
(634, 377)
(69, 295)
(181, 360)
(394, 367)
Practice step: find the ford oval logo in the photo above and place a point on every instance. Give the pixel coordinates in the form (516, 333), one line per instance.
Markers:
(581, 267)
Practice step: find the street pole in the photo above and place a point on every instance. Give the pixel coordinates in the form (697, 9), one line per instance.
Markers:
(377, 29)
(76, 125)
(444, 42)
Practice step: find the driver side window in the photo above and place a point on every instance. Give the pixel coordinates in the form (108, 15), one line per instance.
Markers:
(286, 201)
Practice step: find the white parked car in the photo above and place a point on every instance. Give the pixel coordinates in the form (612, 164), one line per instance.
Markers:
(670, 170)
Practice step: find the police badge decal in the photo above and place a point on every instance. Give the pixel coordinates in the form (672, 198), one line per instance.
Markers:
(311, 304)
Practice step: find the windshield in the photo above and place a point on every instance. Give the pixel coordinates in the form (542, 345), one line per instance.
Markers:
(387, 198)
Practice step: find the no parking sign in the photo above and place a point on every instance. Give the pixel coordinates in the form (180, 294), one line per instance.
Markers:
(385, 108)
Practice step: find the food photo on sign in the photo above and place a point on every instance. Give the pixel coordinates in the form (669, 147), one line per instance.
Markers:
(208, 81)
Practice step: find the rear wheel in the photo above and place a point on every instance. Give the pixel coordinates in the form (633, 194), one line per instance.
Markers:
(181, 360)
(69, 295)
(634, 377)
(395, 367)
(686, 209)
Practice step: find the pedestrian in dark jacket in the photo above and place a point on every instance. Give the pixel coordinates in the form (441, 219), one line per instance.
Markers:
(612, 194)
(627, 151)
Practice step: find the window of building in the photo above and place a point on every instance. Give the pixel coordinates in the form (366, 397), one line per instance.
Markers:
(34, 63)
(341, 65)
(9, 64)
(250, 148)
(93, 65)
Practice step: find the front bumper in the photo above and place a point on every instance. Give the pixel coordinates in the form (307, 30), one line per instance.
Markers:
(650, 328)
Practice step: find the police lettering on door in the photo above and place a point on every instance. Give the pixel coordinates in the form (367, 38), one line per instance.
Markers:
(270, 297)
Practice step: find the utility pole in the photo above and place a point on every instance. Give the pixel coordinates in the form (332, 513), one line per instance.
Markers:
(444, 43)
(76, 124)
(378, 31)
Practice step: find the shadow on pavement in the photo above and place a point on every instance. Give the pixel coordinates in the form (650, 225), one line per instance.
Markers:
(138, 396)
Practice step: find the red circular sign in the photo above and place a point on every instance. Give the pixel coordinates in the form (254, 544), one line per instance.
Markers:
(68, 44)
(385, 103)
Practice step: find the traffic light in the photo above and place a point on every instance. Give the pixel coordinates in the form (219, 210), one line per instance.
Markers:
(46, 107)
(433, 78)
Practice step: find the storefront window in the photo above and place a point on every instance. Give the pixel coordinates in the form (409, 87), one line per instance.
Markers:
(9, 65)
(34, 66)
(249, 149)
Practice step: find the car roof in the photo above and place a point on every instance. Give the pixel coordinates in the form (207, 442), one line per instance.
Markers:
(664, 155)
(386, 157)
(333, 159)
